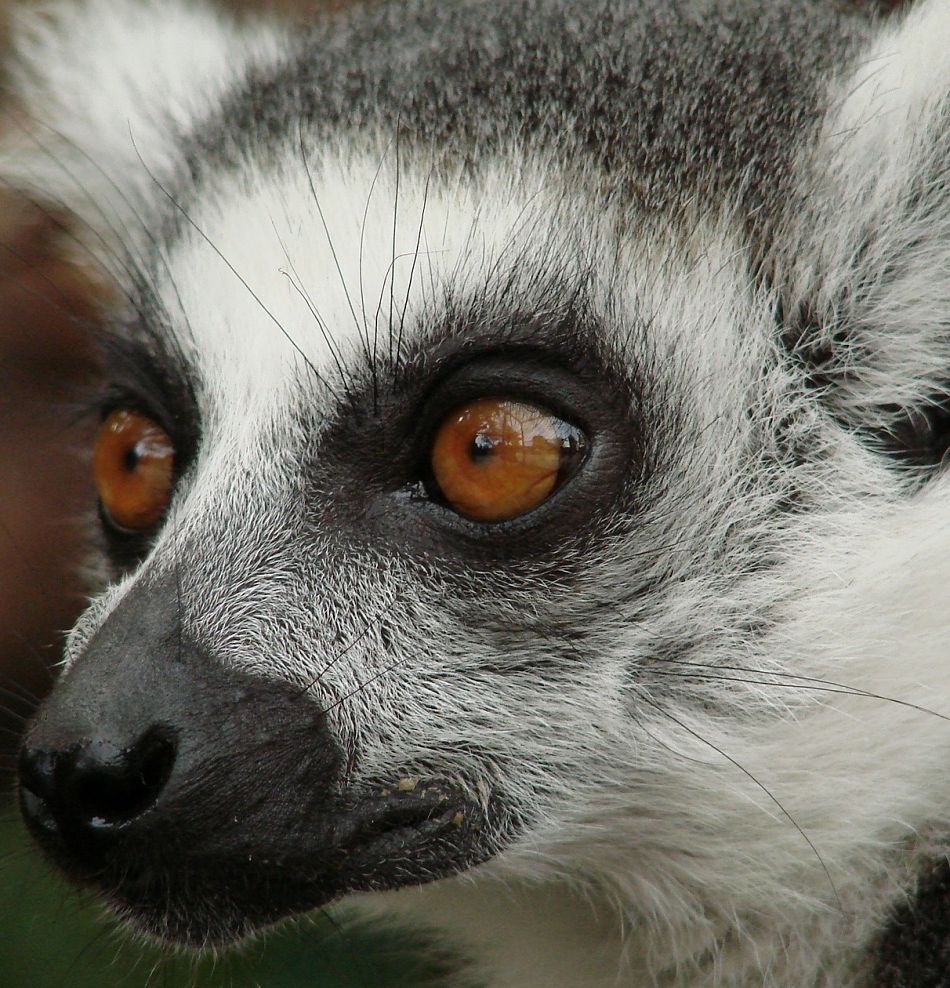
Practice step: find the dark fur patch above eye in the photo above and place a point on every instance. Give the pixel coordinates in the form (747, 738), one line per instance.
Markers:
(155, 381)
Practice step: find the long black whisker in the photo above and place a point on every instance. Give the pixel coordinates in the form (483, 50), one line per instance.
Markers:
(514, 235)
(392, 264)
(33, 653)
(293, 282)
(129, 264)
(369, 199)
(56, 297)
(133, 267)
(806, 682)
(362, 686)
(16, 698)
(326, 230)
(188, 219)
(412, 270)
(348, 648)
(388, 276)
(772, 797)
(320, 321)
(65, 229)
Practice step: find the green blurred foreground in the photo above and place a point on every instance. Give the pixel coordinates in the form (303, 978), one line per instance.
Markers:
(51, 937)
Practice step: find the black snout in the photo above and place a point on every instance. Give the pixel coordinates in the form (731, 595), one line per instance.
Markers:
(94, 788)
(205, 802)
(153, 765)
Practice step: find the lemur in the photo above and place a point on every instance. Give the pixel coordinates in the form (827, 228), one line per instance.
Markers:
(521, 505)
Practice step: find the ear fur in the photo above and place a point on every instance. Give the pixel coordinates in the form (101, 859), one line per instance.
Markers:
(871, 292)
(98, 92)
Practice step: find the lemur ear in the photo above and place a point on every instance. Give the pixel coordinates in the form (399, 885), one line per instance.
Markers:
(97, 87)
(869, 312)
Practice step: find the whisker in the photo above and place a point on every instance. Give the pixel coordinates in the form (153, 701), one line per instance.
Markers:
(362, 686)
(355, 641)
(392, 279)
(774, 799)
(188, 219)
(33, 653)
(55, 297)
(326, 230)
(412, 270)
(129, 264)
(388, 276)
(320, 321)
(324, 331)
(133, 267)
(519, 223)
(15, 684)
(9, 712)
(369, 199)
(809, 682)
(65, 228)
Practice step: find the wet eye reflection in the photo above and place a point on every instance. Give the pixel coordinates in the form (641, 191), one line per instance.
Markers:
(133, 464)
(496, 458)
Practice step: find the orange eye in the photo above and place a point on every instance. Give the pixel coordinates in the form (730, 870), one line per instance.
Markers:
(132, 466)
(496, 458)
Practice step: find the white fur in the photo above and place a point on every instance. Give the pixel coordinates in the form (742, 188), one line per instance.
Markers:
(76, 133)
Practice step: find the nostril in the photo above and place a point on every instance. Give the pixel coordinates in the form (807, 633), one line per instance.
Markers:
(94, 786)
(110, 787)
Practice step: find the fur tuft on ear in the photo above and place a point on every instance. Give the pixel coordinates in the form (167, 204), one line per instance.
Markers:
(870, 313)
(100, 90)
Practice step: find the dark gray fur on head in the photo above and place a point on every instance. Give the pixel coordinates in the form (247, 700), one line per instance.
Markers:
(673, 102)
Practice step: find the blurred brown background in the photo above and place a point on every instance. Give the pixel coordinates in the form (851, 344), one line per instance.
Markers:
(47, 316)
(48, 311)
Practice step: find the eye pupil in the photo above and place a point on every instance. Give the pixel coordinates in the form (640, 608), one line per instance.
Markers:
(133, 466)
(482, 447)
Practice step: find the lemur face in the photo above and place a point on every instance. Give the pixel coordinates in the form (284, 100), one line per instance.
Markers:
(346, 561)
(521, 459)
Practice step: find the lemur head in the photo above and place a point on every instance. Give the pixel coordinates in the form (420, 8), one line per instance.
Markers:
(497, 460)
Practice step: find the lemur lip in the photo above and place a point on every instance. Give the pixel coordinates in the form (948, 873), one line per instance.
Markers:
(375, 845)
(381, 822)
(408, 817)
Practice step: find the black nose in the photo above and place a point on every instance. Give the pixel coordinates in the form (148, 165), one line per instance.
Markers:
(95, 788)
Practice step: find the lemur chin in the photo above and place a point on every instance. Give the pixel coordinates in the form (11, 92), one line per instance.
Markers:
(521, 505)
